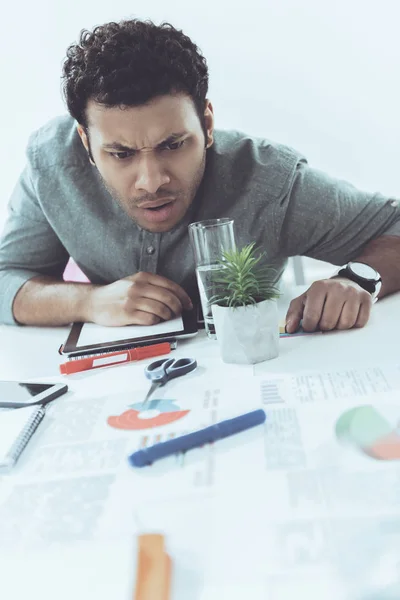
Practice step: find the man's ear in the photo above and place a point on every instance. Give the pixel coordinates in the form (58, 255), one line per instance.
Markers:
(85, 141)
(83, 136)
(209, 123)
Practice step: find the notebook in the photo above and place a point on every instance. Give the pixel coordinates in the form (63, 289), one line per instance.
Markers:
(17, 426)
(90, 338)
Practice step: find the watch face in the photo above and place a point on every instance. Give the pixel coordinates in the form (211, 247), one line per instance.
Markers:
(364, 271)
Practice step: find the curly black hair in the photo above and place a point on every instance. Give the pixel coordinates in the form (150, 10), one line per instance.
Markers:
(129, 63)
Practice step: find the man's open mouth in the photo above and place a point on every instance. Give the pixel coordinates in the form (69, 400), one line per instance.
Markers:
(160, 213)
(156, 208)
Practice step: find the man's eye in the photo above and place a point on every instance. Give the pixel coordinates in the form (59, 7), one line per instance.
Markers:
(121, 155)
(174, 145)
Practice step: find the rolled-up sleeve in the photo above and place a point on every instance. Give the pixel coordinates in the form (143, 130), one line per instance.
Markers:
(331, 220)
(28, 244)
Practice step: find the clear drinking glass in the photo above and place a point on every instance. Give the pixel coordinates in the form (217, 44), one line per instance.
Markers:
(209, 240)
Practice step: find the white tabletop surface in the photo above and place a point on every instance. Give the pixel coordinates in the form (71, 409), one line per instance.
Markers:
(31, 353)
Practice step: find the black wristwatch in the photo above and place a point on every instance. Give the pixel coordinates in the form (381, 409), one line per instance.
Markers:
(366, 277)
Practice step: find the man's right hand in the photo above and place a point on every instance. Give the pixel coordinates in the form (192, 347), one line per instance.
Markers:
(141, 299)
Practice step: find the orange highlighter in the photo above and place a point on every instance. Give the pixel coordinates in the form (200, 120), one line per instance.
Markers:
(96, 361)
(154, 569)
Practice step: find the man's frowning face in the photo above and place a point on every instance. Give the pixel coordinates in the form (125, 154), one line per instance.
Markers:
(151, 157)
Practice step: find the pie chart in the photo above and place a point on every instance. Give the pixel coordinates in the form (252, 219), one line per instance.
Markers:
(371, 433)
(155, 414)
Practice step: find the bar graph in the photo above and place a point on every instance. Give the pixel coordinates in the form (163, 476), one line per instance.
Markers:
(270, 393)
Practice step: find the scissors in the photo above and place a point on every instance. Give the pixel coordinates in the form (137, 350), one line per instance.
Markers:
(161, 371)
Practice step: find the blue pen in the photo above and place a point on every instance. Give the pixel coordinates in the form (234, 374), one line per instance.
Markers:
(147, 456)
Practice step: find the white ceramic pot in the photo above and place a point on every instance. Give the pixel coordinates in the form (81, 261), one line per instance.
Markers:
(247, 334)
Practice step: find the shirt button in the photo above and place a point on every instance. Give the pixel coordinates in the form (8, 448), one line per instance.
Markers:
(393, 203)
(150, 249)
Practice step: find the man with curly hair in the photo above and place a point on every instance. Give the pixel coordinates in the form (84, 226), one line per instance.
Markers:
(116, 183)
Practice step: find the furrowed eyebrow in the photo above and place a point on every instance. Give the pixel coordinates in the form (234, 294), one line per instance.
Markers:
(122, 148)
(117, 146)
(172, 138)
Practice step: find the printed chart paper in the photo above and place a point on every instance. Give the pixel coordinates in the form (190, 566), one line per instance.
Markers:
(309, 501)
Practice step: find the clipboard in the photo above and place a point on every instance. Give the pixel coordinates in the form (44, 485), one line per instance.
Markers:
(88, 338)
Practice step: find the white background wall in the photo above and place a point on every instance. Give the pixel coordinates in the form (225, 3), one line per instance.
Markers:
(323, 77)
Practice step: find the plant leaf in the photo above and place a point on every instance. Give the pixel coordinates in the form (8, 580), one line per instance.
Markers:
(242, 279)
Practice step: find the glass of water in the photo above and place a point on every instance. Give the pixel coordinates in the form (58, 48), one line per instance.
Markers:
(209, 240)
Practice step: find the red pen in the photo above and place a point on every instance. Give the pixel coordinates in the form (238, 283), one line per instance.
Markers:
(78, 363)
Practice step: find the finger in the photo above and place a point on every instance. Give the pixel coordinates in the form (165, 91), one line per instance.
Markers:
(294, 314)
(149, 305)
(348, 316)
(160, 295)
(139, 317)
(364, 313)
(331, 311)
(314, 306)
(163, 282)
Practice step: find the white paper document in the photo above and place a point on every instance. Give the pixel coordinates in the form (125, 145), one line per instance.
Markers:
(96, 334)
(81, 571)
(76, 478)
(309, 508)
(307, 503)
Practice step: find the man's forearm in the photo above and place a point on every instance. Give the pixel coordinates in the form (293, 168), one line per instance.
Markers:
(383, 254)
(47, 301)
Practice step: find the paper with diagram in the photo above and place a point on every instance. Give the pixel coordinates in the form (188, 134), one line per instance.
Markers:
(305, 491)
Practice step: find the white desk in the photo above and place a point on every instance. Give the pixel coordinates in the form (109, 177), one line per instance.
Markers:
(31, 352)
(240, 512)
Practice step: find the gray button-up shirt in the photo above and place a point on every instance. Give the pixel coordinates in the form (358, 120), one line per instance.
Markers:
(60, 208)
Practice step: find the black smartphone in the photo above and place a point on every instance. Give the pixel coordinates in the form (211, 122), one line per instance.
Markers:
(16, 394)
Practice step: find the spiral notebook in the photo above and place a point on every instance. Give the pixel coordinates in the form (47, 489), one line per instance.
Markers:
(17, 426)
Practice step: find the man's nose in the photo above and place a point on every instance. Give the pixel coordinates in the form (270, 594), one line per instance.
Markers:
(150, 175)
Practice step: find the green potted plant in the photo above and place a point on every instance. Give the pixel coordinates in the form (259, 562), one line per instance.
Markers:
(244, 307)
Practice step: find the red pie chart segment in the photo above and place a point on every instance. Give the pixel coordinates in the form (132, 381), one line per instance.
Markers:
(387, 448)
(132, 419)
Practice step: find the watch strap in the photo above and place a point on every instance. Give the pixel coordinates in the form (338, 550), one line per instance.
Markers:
(371, 287)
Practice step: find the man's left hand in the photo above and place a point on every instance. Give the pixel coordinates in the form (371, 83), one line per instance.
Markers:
(337, 303)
